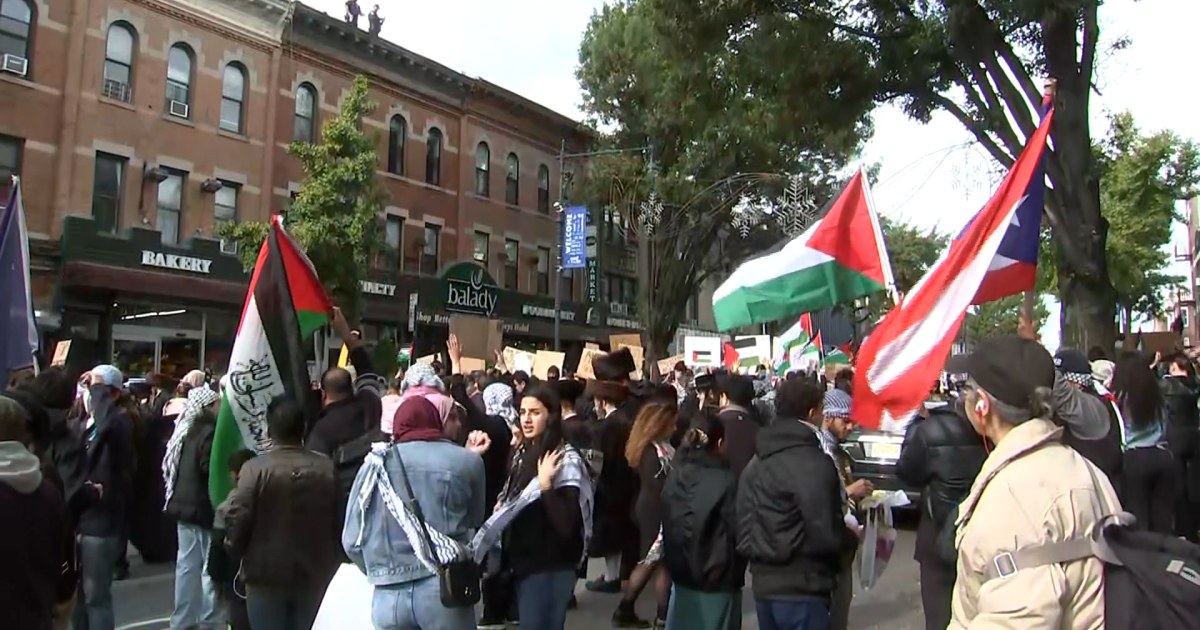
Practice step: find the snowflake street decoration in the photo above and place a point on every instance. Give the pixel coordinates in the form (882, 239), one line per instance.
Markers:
(746, 218)
(650, 214)
(796, 208)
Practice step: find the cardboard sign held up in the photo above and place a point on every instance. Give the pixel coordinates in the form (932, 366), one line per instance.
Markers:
(666, 365)
(616, 342)
(591, 346)
(544, 359)
(639, 360)
(478, 337)
(585, 364)
(468, 365)
(61, 350)
(518, 360)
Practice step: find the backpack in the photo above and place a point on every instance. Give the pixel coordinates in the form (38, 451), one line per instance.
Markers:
(348, 458)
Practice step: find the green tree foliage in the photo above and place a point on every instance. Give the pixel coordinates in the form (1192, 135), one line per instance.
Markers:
(335, 216)
(982, 62)
(791, 97)
(1001, 317)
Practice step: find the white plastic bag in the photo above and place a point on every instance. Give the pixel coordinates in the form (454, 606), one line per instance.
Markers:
(347, 602)
(879, 535)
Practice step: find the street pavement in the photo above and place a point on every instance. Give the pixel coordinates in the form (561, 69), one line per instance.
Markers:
(144, 602)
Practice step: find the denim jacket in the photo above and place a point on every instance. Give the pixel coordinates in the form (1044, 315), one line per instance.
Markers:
(449, 483)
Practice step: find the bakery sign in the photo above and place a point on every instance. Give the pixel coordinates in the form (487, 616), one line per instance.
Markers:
(175, 262)
(470, 290)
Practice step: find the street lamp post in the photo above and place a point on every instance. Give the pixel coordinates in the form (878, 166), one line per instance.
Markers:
(559, 207)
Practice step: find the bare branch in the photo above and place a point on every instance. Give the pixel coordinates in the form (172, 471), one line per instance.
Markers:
(1017, 68)
(1091, 37)
(980, 133)
(1013, 97)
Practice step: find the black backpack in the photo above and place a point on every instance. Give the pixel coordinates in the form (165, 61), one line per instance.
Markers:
(348, 458)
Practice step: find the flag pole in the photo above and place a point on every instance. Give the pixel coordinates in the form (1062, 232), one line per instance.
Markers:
(1031, 296)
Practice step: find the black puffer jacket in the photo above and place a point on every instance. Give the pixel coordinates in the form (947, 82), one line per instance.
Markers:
(189, 502)
(699, 525)
(942, 455)
(789, 510)
(1180, 394)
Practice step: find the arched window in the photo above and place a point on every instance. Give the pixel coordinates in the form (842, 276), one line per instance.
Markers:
(16, 27)
(397, 132)
(483, 158)
(304, 120)
(543, 189)
(179, 81)
(512, 179)
(433, 157)
(118, 63)
(233, 97)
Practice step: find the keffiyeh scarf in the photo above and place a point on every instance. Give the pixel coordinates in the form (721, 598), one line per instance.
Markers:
(197, 400)
(421, 375)
(498, 401)
(445, 549)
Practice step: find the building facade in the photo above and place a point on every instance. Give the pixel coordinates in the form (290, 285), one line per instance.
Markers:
(138, 126)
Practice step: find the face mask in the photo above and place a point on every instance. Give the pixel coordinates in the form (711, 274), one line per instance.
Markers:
(87, 400)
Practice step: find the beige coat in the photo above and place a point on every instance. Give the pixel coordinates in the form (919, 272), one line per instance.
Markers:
(1032, 490)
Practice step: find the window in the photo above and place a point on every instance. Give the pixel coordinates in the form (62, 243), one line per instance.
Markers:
(543, 270)
(512, 254)
(304, 119)
(179, 81)
(479, 247)
(693, 308)
(16, 24)
(543, 189)
(397, 132)
(483, 158)
(629, 291)
(118, 63)
(170, 206)
(429, 253)
(512, 179)
(433, 157)
(233, 96)
(393, 233)
(225, 210)
(107, 185)
(10, 164)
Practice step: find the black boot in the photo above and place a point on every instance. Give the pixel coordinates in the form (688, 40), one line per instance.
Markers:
(625, 617)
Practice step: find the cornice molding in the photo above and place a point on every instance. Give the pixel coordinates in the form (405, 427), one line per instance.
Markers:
(180, 13)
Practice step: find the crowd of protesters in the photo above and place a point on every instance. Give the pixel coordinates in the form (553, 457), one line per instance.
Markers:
(680, 487)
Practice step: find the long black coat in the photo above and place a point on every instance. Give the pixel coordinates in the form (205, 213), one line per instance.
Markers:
(613, 527)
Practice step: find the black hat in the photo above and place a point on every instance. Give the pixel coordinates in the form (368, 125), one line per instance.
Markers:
(705, 381)
(1072, 361)
(1011, 368)
(614, 366)
(569, 389)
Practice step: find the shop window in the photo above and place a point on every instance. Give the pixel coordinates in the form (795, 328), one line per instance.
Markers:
(179, 81)
(512, 180)
(107, 185)
(512, 257)
(11, 150)
(433, 157)
(233, 97)
(479, 248)
(483, 158)
(16, 28)
(304, 119)
(543, 271)
(397, 134)
(225, 210)
(118, 63)
(170, 206)
(429, 252)
(543, 189)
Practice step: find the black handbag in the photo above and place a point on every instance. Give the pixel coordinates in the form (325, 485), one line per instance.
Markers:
(458, 580)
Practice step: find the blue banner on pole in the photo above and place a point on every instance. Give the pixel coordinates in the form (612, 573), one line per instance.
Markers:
(574, 237)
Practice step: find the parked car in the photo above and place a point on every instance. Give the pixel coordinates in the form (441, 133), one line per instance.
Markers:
(873, 455)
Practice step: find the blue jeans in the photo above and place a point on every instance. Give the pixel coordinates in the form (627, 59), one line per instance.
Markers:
(800, 614)
(542, 599)
(97, 557)
(417, 606)
(195, 594)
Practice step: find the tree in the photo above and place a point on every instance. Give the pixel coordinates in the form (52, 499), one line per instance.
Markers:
(335, 215)
(1001, 317)
(977, 61)
(719, 119)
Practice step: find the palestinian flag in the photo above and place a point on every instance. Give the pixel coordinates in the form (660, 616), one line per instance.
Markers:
(837, 259)
(285, 305)
(840, 355)
(791, 342)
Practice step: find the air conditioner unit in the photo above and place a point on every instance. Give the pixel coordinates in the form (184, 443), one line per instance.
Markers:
(178, 108)
(15, 64)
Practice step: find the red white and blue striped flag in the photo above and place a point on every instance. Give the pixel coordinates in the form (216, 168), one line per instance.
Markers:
(994, 256)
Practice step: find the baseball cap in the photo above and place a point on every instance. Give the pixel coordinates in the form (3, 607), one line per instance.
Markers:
(109, 375)
(1071, 361)
(1011, 368)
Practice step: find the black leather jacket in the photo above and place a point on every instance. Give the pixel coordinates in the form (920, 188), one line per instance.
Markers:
(1180, 394)
(942, 454)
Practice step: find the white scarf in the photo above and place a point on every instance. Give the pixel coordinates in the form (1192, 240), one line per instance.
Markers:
(445, 549)
(198, 399)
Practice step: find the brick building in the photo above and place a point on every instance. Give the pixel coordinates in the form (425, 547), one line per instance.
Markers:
(138, 125)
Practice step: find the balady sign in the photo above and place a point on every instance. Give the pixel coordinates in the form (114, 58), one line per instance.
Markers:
(470, 290)
(175, 262)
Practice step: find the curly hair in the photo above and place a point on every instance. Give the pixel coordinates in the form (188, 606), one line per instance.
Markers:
(655, 421)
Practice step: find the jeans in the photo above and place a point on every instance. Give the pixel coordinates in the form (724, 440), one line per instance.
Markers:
(542, 599)
(799, 614)
(97, 555)
(1149, 477)
(275, 610)
(417, 606)
(195, 593)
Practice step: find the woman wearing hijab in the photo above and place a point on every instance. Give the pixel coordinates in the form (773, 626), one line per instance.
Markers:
(185, 480)
(447, 483)
(420, 380)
